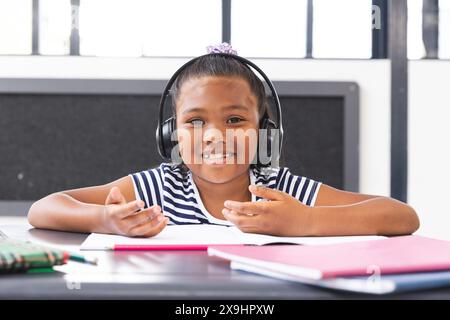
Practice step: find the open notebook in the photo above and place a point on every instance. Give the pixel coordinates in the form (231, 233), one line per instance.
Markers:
(199, 237)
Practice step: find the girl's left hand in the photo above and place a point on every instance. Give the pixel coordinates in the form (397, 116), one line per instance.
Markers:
(282, 215)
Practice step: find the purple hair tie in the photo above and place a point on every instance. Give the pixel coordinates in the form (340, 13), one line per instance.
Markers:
(221, 48)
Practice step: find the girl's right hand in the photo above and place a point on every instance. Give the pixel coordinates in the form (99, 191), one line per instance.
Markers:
(120, 217)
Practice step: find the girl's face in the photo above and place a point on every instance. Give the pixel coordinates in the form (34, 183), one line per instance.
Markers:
(217, 127)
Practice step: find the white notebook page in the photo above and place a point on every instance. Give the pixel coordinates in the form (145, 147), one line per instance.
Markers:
(204, 234)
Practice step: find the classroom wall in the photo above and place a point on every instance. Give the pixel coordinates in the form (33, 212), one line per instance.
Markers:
(428, 145)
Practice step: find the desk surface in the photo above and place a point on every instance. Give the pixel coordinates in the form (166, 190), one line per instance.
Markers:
(155, 275)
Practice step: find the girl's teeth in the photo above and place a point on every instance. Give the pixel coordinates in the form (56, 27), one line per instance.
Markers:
(217, 156)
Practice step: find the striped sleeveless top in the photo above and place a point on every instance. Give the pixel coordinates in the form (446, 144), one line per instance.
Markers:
(177, 195)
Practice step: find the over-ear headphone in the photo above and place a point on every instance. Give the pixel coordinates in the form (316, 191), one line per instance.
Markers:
(166, 128)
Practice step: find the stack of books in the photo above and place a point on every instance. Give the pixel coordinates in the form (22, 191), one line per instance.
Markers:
(383, 266)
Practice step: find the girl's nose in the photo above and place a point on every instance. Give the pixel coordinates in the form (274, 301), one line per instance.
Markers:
(213, 135)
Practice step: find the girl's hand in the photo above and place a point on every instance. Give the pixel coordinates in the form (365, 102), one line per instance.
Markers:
(283, 215)
(120, 217)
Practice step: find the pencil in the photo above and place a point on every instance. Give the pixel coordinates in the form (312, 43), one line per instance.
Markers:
(83, 259)
(126, 247)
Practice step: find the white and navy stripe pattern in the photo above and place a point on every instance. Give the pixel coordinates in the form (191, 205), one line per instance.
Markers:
(176, 193)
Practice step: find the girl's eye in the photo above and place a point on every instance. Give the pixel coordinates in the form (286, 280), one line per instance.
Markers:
(234, 120)
(196, 122)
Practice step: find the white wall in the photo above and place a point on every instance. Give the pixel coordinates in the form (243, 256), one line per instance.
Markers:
(429, 145)
(372, 76)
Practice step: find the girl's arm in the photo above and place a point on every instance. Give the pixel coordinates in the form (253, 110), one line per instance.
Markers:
(109, 208)
(336, 213)
(341, 212)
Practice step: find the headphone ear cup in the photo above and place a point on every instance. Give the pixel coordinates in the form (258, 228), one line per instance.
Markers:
(270, 125)
(167, 144)
(267, 124)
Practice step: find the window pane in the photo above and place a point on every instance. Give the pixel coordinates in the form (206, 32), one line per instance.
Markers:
(15, 26)
(416, 48)
(444, 29)
(181, 27)
(267, 28)
(54, 27)
(110, 28)
(342, 29)
(132, 28)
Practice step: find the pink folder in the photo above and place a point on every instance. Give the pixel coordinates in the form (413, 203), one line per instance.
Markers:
(393, 255)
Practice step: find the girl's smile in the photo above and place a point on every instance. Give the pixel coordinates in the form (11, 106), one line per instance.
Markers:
(218, 158)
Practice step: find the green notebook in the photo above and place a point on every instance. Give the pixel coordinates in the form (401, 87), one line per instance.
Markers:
(24, 256)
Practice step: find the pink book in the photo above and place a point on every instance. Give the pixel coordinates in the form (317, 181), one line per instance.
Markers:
(393, 255)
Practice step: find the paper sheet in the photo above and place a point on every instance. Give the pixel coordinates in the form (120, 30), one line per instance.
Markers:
(208, 235)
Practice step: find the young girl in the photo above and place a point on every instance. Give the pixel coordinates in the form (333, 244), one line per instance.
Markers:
(218, 94)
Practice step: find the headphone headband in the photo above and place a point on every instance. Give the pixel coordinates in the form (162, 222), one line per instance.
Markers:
(166, 92)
